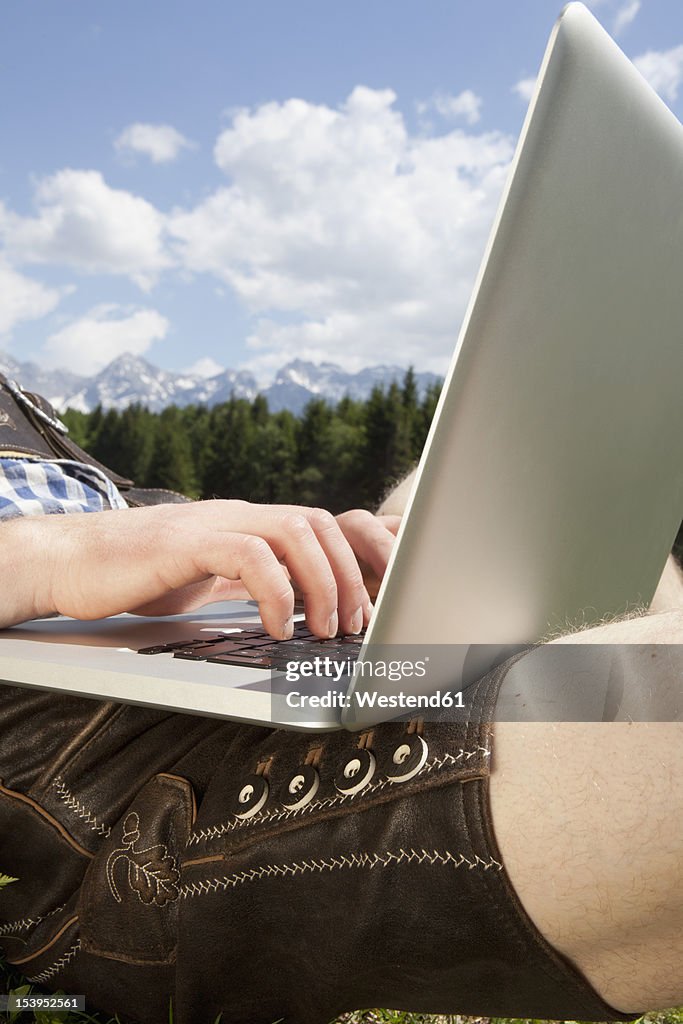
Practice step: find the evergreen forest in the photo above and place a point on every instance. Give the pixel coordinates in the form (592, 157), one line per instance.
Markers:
(343, 456)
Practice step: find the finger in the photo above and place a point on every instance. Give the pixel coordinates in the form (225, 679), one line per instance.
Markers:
(372, 584)
(352, 597)
(315, 553)
(294, 540)
(390, 523)
(251, 560)
(370, 538)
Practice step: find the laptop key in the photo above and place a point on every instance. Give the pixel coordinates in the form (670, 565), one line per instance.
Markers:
(247, 654)
(293, 650)
(167, 648)
(192, 654)
(238, 659)
(233, 646)
(267, 641)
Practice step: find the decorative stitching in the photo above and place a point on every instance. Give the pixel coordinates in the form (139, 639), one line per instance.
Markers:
(27, 922)
(439, 762)
(57, 966)
(152, 873)
(353, 860)
(67, 797)
(265, 817)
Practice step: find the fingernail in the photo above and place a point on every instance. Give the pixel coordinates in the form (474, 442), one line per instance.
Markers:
(333, 625)
(288, 629)
(357, 621)
(369, 609)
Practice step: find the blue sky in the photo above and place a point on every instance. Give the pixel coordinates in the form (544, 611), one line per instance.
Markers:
(234, 185)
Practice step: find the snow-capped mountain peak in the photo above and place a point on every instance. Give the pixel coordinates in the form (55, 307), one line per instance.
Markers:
(129, 379)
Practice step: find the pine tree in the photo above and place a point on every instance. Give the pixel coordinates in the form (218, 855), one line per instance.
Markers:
(273, 460)
(315, 464)
(78, 424)
(106, 442)
(171, 465)
(136, 441)
(227, 471)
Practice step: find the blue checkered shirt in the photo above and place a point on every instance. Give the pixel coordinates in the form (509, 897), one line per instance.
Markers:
(30, 487)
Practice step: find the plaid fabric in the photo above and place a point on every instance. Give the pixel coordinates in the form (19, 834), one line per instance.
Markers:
(29, 487)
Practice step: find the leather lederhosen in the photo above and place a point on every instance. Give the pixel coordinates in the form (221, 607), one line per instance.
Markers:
(243, 872)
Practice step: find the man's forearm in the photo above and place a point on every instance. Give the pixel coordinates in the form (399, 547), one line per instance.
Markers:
(24, 592)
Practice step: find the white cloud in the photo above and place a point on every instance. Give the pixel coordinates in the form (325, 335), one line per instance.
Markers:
(205, 367)
(105, 332)
(663, 69)
(82, 222)
(162, 143)
(363, 239)
(525, 88)
(22, 298)
(625, 15)
(346, 237)
(466, 104)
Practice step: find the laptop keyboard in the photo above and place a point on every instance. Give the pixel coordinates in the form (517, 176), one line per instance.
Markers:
(257, 649)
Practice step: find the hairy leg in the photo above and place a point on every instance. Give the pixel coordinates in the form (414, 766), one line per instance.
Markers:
(588, 815)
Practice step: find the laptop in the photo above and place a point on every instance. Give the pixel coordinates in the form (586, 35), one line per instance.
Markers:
(549, 491)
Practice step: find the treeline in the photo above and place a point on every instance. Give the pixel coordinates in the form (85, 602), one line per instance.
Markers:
(338, 457)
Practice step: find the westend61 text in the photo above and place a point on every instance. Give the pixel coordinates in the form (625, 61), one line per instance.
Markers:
(372, 699)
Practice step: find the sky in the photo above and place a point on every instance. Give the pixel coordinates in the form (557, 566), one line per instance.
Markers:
(233, 185)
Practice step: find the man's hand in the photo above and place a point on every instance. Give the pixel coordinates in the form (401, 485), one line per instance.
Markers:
(372, 539)
(174, 558)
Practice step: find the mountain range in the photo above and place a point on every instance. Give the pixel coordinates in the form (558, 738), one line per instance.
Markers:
(128, 379)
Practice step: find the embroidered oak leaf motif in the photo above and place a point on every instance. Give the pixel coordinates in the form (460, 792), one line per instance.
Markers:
(6, 420)
(155, 879)
(152, 872)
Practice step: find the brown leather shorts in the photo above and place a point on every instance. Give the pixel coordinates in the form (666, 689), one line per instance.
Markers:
(263, 875)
